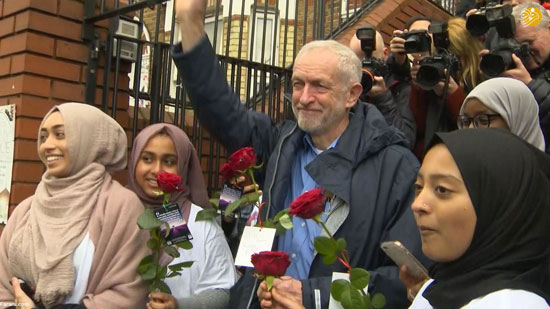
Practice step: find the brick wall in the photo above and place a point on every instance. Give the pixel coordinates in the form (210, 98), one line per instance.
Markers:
(42, 63)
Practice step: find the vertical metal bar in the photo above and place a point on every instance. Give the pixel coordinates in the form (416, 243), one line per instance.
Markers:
(216, 18)
(137, 77)
(117, 4)
(115, 82)
(286, 33)
(102, 7)
(156, 74)
(239, 51)
(264, 32)
(294, 45)
(165, 81)
(228, 34)
(304, 35)
(314, 21)
(107, 68)
(331, 16)
(322, 14)
(275, 33)
(252, 30)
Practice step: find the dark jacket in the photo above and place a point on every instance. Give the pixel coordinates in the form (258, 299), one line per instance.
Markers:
(394, 103)
(370, 171)
(540, 86)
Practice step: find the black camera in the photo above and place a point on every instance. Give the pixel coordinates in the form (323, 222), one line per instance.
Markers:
(433, 69)
(416, 41)
(499, 60)
(494, 14)
(370, 66)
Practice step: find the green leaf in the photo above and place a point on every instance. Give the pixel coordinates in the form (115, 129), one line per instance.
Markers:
(359, 278)
(352, 299)
(206, 215)
(325, 245)
(214, 202)
(378, 301)
(286, 221)
(329, 259)
(173, 274)
(162, 271)
(281, 213)
(147, 271)
(367, 301)
(147, 220)
(246, 200)
(163, 287)
(279, 229)
(340, 244)
(187, 245)
(338, 287)
(268, 224)
(180, 266)
(153, 244)
(171, 251)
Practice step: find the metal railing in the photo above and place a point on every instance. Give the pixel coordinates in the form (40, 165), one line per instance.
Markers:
(256, 40)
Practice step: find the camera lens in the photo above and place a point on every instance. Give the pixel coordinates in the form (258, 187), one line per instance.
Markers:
(493, 64)
(429, 75)
(367, 80)
(411, 44)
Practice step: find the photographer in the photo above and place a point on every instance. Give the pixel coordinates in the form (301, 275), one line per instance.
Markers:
(426, 104)
(389, 94)
(534, 70)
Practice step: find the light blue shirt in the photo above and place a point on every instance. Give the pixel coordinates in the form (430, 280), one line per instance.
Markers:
(298, 242)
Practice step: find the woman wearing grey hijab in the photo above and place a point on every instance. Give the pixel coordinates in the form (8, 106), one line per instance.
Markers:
(503, 103)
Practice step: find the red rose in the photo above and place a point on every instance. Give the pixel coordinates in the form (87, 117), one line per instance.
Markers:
(227, 172)
(270, 263)
(308, 205)
(242, 159)
(169, 182)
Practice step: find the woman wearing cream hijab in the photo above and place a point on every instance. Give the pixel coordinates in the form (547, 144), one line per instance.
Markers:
(503, 103)
(76, 241)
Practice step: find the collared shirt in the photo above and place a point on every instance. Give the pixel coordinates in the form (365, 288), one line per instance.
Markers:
(298, 241)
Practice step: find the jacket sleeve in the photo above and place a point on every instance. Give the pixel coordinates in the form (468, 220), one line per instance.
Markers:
(396, 111)
(218, 108)
(541, 90)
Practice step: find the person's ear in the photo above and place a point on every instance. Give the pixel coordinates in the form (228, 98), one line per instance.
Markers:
(354, 94)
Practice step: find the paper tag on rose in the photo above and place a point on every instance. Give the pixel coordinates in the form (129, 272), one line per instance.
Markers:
(253, 240)
(333, 303)
(171, 214)
(229, 194)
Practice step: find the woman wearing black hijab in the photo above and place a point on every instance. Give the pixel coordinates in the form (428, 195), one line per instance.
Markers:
(482, 208)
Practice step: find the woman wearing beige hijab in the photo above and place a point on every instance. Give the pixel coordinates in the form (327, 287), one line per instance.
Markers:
(76, 241)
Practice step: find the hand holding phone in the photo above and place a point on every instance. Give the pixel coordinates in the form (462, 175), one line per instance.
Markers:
(401, 256)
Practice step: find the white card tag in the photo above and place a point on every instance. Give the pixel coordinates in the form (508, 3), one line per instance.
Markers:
(253, 240)
(333, 303)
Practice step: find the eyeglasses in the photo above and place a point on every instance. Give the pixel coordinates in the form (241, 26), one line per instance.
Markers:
(480, 121)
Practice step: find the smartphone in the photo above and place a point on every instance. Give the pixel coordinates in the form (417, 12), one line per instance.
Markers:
(401, 256)
(25, 287)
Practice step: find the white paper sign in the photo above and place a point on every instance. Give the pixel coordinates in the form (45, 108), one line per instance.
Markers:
(7, 134)
(333, 303)
(253, 240)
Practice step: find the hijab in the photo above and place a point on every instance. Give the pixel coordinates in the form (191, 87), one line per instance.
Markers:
(189, 169)
(509, 192)
(515, 103)
(61, 207)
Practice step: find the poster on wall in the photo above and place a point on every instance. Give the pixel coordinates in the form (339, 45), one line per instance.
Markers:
(7, 142)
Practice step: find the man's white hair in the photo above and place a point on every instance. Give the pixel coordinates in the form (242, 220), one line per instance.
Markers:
(349, 64)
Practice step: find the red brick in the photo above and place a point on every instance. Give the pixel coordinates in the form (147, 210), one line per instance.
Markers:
(5, 66)
(6, 26)
(1, 8)
(68, 92)
(73, 51)
(26, 127)
(71, 9)
(27, 41)
(20, 191)
(48, 24)
(24, 84)
(14, 6)
(25, 150)
(45, 66)
(31, 106)
(11, 85)
(25, 171)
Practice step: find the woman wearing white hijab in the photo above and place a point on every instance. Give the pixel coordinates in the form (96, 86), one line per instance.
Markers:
(76, 241)
(503, 103)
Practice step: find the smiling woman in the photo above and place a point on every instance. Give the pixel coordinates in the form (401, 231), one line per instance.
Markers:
(75, 242)
(166, 148)
(485, 225)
